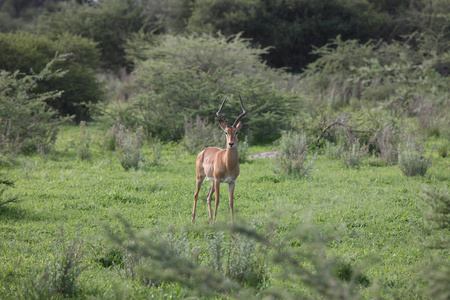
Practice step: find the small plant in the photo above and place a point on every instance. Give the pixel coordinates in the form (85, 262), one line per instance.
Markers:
(334, 150)
(129, 147)
(352, 158)
(411, 160)
(443, 148)
(157, 152)
(84, 143)
(294, 155)
(61, 274)
(438, 273)
(387, 142)
(111, 138)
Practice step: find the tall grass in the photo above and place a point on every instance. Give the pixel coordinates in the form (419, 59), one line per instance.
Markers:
(84, 143)
(294, 159)
(411, 159)
(129, 147)
(59, 279)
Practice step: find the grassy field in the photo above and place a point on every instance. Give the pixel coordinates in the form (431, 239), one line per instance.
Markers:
(373, 215)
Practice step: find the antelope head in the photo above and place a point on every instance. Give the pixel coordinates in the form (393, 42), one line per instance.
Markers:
(233, 130)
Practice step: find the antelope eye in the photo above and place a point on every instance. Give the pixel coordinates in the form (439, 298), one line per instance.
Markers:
(237, 132)
(226, 133)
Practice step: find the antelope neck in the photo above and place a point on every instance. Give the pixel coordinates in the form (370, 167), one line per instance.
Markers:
(231, 157)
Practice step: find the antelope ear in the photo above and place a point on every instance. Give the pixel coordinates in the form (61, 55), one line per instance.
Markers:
(222, 125)
(239, 125)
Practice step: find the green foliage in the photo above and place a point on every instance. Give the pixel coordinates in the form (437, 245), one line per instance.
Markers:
(107, 22)
(443, 148)
(199, 134)
(4, 184)
(373, 215)
(157, 152)
(294, 159)
(129, 147)
(352, 158)
(190, 75)
(411, 159)
(439, 214)
(395, 73)
(234, 262)
(84, 143)
(27, 123)
(60, 276)
(111, 139)
(304, 24)
(28, 52)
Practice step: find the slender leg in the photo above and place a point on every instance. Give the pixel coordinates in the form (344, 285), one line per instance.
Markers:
(217, 188)
(209, 197)
(197, 190)
(231, 195)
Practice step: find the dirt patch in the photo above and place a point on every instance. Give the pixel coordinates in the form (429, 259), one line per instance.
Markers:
(266, 154)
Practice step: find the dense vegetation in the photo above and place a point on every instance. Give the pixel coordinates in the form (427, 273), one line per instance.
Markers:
(104, 105)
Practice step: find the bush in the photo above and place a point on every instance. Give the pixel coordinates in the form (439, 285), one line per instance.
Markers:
(395, 73)
(108, 22)
(411, 160)
(28, 52)
(157, 152)
(61, 274)
(229, 262)
(129, 147)
(294, 155)
(191, 76)
(352, 158)
(443, 148)
(27, 123)
(111, 139)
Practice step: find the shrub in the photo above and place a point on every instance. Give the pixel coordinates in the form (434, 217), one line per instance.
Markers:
(108, 22)
(129, 147)
(157, 152)
(396, 74)
(386, 142)
(411, 160)
(110, 141)
(28, 52)
(294, 155)
(84, 143)
(27, 123)
(230, 261)
(438, 273)
(352, 158)
(192, 75)
(443, 148)
(61, 274)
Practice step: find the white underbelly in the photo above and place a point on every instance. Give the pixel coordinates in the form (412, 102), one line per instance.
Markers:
(226, 180)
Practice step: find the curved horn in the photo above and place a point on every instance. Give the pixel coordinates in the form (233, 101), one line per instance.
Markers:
(244, 112)
(220, 116)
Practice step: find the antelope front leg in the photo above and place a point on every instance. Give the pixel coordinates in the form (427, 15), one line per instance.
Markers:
(231, 195)
(208, 199)
(217, 188)
(197, 190)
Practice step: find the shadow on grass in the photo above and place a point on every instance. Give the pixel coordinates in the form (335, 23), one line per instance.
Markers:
(11, 211)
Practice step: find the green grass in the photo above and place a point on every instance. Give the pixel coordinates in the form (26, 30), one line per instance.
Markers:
(374, 214)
